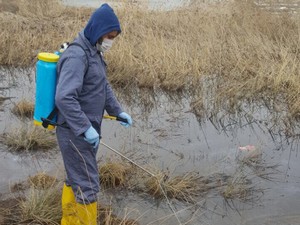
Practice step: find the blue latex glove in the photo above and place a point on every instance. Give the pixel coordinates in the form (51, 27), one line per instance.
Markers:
(92, 137)
(124, 115)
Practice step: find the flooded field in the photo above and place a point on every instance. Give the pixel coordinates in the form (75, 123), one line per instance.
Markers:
(168, 136)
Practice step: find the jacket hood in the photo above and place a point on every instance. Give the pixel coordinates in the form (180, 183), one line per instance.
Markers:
(102, 21)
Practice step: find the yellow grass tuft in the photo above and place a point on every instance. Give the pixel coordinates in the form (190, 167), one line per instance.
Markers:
(236, 191)
(41, 207)
(240, 187)
(106, 217)
(183, 188)
(27, 138)
(42, 181)
(114, 174)
(35, 26)
(23, 108)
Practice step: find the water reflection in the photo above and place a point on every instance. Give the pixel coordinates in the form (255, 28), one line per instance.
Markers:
(267, 115)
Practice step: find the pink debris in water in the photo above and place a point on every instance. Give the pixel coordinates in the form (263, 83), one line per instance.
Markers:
(247, 148)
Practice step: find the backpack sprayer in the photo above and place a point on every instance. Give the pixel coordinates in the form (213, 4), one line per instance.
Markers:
(46, 78)
(45, 88)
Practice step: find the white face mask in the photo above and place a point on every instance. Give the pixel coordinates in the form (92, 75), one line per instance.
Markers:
(105, 46)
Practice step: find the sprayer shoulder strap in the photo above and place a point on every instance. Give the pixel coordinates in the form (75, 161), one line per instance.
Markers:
(48, 121)
(87, 57)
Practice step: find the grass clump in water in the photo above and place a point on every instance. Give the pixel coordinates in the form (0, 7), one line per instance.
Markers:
(35, 207)
(27, 138)
(106, 217)
(241, 187)
(42, 181)
(114, 174)
(41, 207)
(23, 108)
(183, 188)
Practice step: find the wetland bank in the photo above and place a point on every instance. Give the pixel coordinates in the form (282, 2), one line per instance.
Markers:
(206, 84)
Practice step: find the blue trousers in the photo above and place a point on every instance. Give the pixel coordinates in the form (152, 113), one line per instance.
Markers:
(80, 163)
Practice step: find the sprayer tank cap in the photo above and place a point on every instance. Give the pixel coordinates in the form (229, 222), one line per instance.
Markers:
(48, 57)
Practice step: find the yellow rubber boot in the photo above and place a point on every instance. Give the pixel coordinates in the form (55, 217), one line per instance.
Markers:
(87, 214)
(68, 204)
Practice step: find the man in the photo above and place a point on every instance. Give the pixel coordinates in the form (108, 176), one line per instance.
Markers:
(82, 95)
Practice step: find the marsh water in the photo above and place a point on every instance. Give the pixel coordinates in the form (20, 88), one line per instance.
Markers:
(168, 135)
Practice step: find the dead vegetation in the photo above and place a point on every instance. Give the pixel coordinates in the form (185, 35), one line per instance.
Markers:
(42, 181)
(43, 206)
(240, 187)
(29, 27)
(190, 186)
(23, 109)
(184, 188)
(114, 174)
(36, 207)
(27, 138)
(244, 184)
(259, 166)
(107, 217)
(40, 207)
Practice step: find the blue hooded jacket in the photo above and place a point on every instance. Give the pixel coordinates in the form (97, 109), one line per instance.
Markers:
(83, 92)
(103, 21)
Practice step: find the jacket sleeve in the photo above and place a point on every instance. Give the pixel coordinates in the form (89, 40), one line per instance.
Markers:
(69, 86)
(112, 106)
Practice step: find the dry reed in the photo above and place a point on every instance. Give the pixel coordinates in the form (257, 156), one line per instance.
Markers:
(23, 108)
(43, 206)
(35, 26)
(241, 187)
(183, 188)
(27, 138)
(114, 174)
(42, 181)
(106, 217)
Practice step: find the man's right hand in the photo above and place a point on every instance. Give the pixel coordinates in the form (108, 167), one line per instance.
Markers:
(92, 137)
